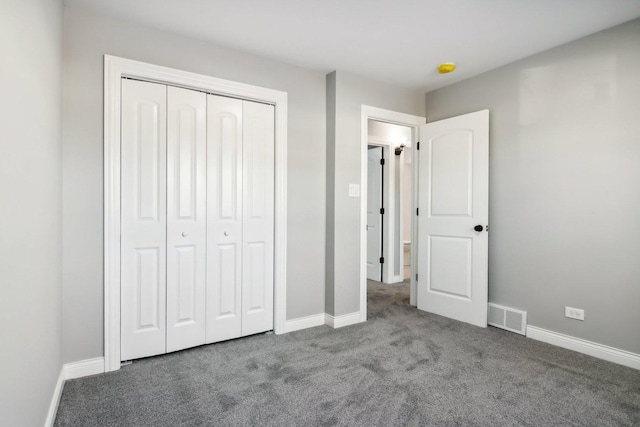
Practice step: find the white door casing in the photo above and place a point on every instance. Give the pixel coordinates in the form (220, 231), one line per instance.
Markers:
(453, 199)
(143, 219)
(186, 218)
(374, 217)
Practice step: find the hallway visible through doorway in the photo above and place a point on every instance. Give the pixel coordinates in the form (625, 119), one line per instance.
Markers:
(389, 202)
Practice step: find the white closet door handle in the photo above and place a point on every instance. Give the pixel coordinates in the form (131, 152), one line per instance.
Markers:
(226, 233)
(184, 234)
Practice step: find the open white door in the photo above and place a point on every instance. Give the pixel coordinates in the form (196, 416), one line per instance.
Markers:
(374, 214)
(453, 217)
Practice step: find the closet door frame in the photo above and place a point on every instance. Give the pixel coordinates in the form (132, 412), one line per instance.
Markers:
(115, 69)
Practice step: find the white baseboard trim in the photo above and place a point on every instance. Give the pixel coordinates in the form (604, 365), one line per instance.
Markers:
(343, 320)
(83, 368)
(69, 371)
(55, 400)
(611, 354)
(304, 322)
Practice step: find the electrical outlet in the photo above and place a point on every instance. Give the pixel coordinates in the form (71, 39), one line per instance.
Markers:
(574, 313)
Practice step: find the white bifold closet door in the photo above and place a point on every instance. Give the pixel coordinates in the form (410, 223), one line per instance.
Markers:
(163, 219)
(197, 218)
(143, 219)
(186, 217)
(240, 217)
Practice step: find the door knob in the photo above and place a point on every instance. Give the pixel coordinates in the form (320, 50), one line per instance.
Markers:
(478, 228)
(184, 234)
(226, 233)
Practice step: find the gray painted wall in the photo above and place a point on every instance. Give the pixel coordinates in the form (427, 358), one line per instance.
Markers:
(30, 209)
(87, 38)
(343, 159)
(564, 183)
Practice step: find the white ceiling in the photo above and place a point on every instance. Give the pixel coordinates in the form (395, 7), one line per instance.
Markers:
(397, 41)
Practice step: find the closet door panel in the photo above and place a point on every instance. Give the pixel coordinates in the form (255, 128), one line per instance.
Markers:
(224, 218)
(258, 217)
(143, 219)
(186, 218)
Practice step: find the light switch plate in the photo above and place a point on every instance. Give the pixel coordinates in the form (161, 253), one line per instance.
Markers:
(354, 190)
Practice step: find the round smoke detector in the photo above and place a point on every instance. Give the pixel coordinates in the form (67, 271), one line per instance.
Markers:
(447, 67)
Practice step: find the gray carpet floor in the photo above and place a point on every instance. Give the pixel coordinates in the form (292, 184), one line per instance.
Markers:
(401, 367)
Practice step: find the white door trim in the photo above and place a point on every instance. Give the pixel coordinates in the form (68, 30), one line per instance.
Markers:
(397, 118)
(114, 69)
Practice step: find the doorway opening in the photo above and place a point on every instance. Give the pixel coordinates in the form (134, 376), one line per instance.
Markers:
(450, 177)
(388, 137)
